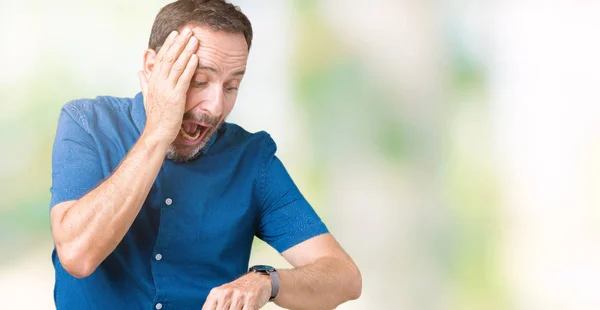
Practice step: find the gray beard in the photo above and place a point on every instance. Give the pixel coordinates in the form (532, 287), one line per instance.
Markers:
(186, 154)
(178, 156)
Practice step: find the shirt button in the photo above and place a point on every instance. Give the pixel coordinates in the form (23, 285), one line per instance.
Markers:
(168, 201)
(158, 256)
(158, 306)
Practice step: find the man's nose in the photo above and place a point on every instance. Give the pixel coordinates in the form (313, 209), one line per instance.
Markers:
(213, 102)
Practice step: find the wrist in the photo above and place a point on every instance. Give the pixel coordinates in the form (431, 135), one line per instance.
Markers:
(270, 278)
(265, 284)
(262, 282)
(153, 141)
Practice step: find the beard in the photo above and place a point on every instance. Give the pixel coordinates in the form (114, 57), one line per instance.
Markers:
(180, 152)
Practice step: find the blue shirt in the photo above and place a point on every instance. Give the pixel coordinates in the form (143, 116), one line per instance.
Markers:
(196, 227)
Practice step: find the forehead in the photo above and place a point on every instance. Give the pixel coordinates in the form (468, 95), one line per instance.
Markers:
(224, 49)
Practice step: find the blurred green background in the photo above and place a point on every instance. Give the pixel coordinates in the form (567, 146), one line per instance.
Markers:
(451, 146)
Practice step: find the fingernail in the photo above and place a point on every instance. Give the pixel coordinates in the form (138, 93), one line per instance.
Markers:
(193, 40)
(186, 31)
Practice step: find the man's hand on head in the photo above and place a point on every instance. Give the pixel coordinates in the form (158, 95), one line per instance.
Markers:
(249, 292)
(166, 87)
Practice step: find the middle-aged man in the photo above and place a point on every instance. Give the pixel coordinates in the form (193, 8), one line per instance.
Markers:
(156, 199)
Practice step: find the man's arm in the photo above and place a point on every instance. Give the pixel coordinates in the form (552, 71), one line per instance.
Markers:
(87, 230)
(324, 276)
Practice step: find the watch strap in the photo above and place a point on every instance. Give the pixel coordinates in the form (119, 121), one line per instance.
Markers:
(274, 284)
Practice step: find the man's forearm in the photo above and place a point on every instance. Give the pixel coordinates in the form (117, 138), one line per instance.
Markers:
(324, 284)
(92, 227)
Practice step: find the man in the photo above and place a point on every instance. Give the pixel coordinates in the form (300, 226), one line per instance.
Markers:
(156, 200)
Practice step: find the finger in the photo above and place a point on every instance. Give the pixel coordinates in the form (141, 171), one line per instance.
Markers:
(236, 302)
(210, 304)
(167, 44)
(246, 304)
(186, 77)
(173, 53)
(237, 306)
(184, 58)
(143, 83)
(223, 304)
(163, 50)
(249, 303)
(224, 301)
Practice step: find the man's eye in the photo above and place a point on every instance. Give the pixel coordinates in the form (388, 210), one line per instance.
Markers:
(199, 84)
(230, 89)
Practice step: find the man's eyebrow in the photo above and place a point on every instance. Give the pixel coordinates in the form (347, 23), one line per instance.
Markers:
(239, 72)
(203, 67)
(212, 69)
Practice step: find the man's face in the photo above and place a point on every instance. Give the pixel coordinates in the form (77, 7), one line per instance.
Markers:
(213, 90)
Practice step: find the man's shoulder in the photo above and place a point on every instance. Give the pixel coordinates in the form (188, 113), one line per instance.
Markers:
(88, 112)
(100, 104)
(235, 137)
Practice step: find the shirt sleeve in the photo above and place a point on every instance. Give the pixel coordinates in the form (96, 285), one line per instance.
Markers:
(286, 218)
(76, 167)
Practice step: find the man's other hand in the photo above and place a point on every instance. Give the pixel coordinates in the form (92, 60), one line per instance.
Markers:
(166, 86)
(249, 292)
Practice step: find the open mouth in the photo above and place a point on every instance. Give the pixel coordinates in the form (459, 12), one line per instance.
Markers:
(192, 132)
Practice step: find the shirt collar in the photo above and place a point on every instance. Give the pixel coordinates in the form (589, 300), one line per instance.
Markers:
(138, 114)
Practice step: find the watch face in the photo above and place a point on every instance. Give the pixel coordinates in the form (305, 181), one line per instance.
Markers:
(262, 268)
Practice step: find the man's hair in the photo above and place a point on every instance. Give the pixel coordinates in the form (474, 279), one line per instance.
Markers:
(214, 14)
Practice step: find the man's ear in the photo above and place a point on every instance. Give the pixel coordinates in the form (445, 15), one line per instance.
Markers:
(149, 61)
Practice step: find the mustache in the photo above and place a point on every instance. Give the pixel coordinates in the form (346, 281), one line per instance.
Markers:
(201, 118)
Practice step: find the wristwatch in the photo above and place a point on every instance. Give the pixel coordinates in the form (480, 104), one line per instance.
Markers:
(263, 269)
